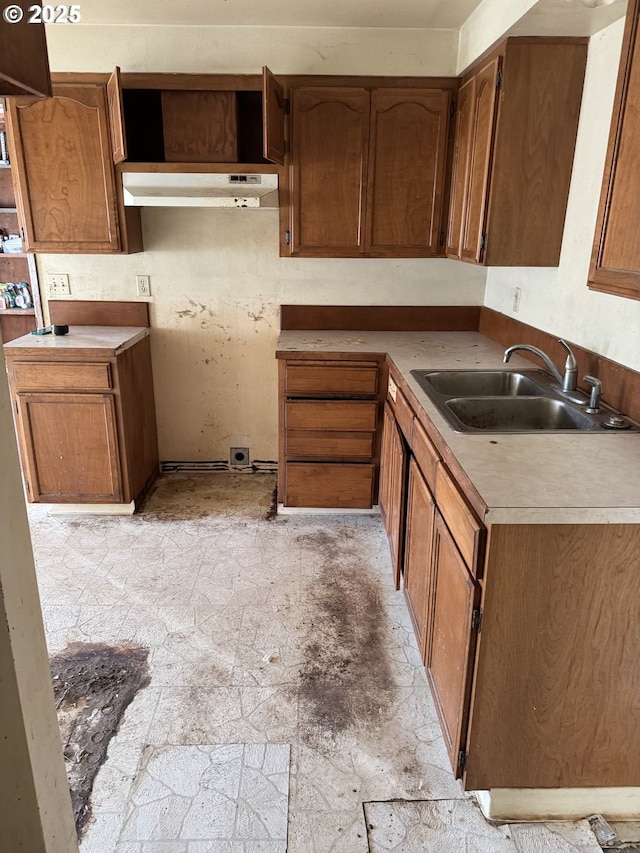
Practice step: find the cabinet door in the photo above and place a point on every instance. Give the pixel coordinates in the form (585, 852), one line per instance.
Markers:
(392, 489)
(329, 147)
(70, 447)
(273, 113)
(408, 144)
(615, 262)
(418, 547)
(451, 647)
(481, 150)
(116, 117)
(460, 168)
(64, 172)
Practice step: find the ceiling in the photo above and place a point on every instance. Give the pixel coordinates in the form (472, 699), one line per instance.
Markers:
(436, 14)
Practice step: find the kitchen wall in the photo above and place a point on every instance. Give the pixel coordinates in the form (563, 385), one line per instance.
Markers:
(558, 300)
(216, 277)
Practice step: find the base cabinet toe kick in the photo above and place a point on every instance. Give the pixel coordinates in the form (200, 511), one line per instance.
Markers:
(529, 631)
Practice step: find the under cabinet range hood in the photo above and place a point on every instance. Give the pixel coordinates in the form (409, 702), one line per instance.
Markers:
(198, 189)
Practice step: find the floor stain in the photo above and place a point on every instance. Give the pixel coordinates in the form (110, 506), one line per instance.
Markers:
(345, 637)
(93, 684)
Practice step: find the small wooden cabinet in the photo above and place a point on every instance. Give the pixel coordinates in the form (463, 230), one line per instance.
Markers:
(329, 418)
(615, 261)
(516, 126)
(85, 420)
(367, 171)
(66, 190)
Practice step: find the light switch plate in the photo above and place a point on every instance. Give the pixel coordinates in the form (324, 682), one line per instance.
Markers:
(58, 284)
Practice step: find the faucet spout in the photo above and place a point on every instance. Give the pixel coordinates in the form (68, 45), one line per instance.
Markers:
(541, 355)
(567, 381)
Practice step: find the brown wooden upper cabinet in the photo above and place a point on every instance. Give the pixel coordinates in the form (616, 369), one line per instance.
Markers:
(164, 118)
(66, 192)
(366, 171)
(615, 262)
(516, 125)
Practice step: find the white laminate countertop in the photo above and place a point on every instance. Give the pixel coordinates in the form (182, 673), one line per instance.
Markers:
(557, 478)
(110, 339)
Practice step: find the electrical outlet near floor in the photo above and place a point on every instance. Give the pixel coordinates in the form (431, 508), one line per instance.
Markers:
(58, 284)
(239, 456)
(143, 285)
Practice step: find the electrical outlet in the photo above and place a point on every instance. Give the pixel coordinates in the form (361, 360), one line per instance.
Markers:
(239, 456)
(517, 292)
(58, 284)
(143, 285)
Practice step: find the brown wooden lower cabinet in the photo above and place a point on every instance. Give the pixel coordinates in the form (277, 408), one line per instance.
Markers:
(393, 461)
(450, 648)
(329, 433)
(326, 485)
(530, 632)
(71, 445)
(85, 421)
(421, 513)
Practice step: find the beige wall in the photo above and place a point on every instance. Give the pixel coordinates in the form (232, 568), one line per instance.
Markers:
(558, 300)
(216, 277)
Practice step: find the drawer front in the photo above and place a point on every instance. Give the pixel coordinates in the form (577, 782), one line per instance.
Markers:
(314, 444)
(461, 521)
(61, 376)
(326, 485)
(330, 379)
(425, 453)
(337, 415)
(404, 415)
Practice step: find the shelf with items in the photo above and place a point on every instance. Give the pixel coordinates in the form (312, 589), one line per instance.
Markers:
(16, 267)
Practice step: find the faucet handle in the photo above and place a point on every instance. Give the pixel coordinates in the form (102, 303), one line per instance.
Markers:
(596, 390)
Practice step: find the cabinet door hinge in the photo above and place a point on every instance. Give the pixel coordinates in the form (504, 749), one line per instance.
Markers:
(287, 237)
(463, 758)
(452, 109)
(16, 405)
(476, 619)
(499, 80)
(483, 245)
(287, 106)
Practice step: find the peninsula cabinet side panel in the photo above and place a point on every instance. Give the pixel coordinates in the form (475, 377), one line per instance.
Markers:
(557, 678)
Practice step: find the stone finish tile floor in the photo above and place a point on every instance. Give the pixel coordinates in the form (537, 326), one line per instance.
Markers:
(264, 634)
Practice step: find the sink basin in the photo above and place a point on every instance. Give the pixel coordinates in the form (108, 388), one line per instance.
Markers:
(512, 414)
(479, 383)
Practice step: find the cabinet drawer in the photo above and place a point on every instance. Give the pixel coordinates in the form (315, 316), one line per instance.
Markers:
(327, 485)
(350, 415)
(461, 521)
(314, 444)
(404, 415)
(425, 453)
(325, 379)
(61, 376)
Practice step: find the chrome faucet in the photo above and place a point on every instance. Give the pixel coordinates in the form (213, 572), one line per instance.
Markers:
(568, 381)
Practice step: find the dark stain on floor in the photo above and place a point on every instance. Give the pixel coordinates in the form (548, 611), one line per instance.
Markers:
(346, 679)
(93, 684)
(272, 512)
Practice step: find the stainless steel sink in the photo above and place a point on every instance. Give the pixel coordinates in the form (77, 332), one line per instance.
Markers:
(480, 383)
(507, 401)
(523, 414)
